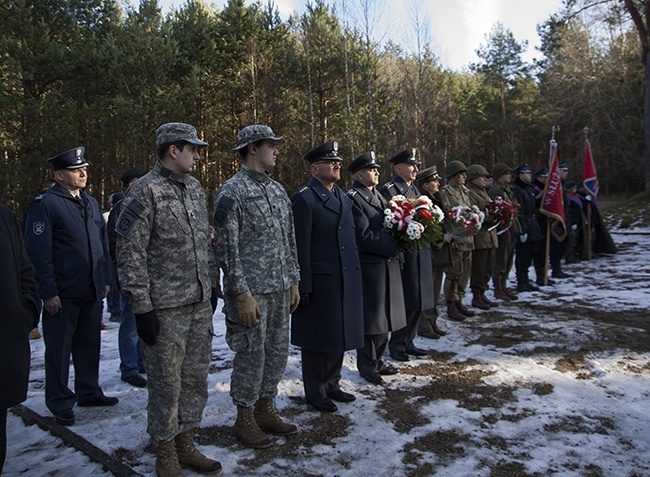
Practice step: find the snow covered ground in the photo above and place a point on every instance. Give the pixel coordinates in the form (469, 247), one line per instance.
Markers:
(557, 383)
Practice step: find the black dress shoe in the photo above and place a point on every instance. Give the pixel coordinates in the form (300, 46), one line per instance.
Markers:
(388, 370)
(559, 274)
(400, 356)
(65, 417)
(341, 396)
(324, 405)
(373, 378)
(532, 286)
(135, 380)
(100, 401)
(540, 282)
(523, 287)
(415, 351)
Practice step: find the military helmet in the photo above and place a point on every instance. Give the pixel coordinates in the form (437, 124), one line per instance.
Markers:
(453, 168)
(500, 169)
(476, 170)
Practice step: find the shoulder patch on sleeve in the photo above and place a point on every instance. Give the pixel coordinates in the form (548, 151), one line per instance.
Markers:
(125, 222)
(223, 207)
(136, 207)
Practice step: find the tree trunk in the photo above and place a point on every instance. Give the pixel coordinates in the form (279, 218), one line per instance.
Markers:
(645, 158)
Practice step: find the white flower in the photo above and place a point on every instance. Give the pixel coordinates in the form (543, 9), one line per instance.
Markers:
(437, 214)
(414, 230)
(389, 218)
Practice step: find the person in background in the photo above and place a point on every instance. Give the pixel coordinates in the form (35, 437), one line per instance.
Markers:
(383, 297)
(131, 361)
(19, 313)
(428, 181)
(530, 232)
(256, 246)
(163, 266)
(505, 253)
(454, 194)
(417, 275)
(329, 318)
(66, 239)
(485, 240)
(114, 298)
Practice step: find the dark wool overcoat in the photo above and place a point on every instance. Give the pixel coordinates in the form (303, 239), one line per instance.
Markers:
(330, 271)
(383, 297)
(21, 307)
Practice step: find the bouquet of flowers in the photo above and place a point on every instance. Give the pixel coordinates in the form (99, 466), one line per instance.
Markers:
(414, 223)
(501, 212)
(465, 220)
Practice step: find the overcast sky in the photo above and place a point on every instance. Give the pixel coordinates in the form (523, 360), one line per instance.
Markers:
(456, 27)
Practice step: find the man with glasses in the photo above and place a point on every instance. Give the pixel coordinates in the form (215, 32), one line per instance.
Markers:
(329, 318)
(417, 273)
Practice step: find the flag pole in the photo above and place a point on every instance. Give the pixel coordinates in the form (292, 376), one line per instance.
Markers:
(586, 131)
(549, 222)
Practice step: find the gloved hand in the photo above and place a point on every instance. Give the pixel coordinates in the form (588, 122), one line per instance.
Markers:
(523, 238)
(304, 301)
(574, 227)
(247, 309)
(294, 299)
(148, 326)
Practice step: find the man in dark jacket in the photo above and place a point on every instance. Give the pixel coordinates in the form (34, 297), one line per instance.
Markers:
(383, 297)
(329, 318)
(19, 314)
(417, 274)
(530, 231)
(66, 239)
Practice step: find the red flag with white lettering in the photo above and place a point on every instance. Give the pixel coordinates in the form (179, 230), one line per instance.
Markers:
(552, 204)
(590, 177)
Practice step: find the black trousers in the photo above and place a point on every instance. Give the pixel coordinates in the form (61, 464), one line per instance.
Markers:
(75, 330)
(402, 339)
(3, 438)
(369, 357)
(321, 373)
(523, 260)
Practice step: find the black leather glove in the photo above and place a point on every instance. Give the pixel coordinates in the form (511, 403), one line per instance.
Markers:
(304, 302)
(148, 326)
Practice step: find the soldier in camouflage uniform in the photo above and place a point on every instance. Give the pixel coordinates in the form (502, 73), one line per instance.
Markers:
(453, 194)
(163, 265)
(256, 247)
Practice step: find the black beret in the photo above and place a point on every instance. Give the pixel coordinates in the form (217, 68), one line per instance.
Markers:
(133, 173)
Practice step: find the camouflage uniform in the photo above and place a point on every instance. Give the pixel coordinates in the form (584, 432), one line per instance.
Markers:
(457, 275)
(163, 265)
(256, 247)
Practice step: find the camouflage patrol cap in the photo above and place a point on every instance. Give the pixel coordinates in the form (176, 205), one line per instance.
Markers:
(254, 133)
(172, 132)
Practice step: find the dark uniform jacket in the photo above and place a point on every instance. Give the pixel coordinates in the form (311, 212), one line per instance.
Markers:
(19, 312)
(417, 274)
(67, 242)
(525, 195)
(330, 271)
(383, 297)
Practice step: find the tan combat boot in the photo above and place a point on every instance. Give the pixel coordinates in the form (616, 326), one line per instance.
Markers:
(189, 456)
(510, 294)
(167, 461)
(267, 418)
(248, 431)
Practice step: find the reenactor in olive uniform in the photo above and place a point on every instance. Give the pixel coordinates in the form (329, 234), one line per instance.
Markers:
(428, 181)
(256, 247)
(163, 266)
(506, 252)
(417, 275)
(453, 194)
(383, 297)
(329, 318)
(485, 240)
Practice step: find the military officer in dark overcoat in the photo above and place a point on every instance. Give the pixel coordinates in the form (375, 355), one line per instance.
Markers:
(383, 297)
(417, 273)
(329, 318)
(66, 239)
